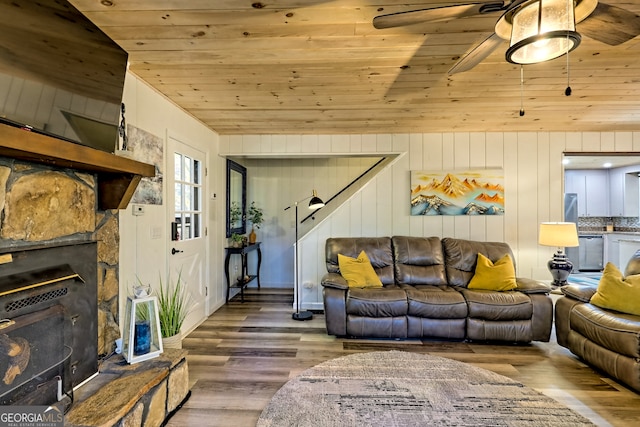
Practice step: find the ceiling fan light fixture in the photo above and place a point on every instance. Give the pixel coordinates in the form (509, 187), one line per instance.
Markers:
(542, 30)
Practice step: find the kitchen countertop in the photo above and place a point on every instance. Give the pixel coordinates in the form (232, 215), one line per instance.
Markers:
(598, 233)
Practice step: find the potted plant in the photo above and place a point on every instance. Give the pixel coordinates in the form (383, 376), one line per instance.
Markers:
(174, 303)
(256, 216)
(236, 240)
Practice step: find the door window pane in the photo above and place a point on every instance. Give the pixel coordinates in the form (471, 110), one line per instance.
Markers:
(177, 161)
(188, 195)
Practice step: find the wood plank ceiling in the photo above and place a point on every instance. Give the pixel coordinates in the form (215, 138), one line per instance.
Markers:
(319, 67)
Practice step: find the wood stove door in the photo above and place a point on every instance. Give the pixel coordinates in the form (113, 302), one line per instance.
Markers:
(33, 350)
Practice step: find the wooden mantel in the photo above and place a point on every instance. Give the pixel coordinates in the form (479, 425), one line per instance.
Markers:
(118, 176)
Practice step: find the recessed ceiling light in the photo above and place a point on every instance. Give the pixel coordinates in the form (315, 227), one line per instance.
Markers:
(566, 161)
(606, 165)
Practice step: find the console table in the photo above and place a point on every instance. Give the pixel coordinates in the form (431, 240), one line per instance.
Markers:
(245, 278)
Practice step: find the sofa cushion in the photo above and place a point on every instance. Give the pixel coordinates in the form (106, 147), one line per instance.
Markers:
(377, 302)
(618, 293)
(624, 369)
(378, 249)
(498, 276)
(615, 331)
(377, 327)
(419, 260)
(461, 256)
(516, 331)
(450, 329)
(358, 271)
(492, 305)
(436, 302)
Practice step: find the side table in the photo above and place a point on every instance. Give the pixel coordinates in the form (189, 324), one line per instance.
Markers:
(245, 278)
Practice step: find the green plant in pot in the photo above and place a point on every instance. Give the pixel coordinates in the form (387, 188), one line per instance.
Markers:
(174, 303)
(236, 240)
(256, 216)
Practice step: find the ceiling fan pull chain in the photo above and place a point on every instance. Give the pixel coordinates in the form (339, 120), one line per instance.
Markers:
(567, 91)
(521, 90)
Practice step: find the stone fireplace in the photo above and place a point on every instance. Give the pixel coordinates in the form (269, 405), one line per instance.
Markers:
(50, 222)
(43, 206)
(59, 254)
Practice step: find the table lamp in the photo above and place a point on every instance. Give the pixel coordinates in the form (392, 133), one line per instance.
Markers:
(560, 235)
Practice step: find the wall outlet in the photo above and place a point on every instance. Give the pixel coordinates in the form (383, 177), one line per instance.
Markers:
(308, 285)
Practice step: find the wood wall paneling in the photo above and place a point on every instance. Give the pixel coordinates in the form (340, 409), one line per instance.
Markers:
(533, 190)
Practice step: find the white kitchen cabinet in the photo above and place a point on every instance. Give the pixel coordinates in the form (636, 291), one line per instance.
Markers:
(612, 248)
(624, 194)
(618, 248)
(592, 188)
(574, 182)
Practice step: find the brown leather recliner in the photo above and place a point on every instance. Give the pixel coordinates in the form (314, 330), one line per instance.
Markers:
(606, 339)
(425, 293)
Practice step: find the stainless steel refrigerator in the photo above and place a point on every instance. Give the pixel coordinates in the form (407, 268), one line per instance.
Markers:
(571, 215)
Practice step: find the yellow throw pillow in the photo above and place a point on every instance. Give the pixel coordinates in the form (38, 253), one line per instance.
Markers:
(500, 276)
(358, 272)
(618, 293)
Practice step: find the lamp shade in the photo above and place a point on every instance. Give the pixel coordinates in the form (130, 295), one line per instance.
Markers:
(315, 202)
(558, 234)
(542, 30)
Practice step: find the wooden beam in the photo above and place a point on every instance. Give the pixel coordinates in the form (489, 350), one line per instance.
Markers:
(118, 176)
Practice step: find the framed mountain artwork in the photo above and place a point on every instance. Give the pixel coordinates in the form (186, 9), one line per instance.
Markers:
(468, 192)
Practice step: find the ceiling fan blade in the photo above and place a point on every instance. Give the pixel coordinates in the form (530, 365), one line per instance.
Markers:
(436, 14)
(610, 24)
(477, 54)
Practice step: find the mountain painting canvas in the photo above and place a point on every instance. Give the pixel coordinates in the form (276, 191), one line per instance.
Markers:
(469, 192)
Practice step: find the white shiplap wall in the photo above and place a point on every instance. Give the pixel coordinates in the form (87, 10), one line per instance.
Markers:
(145, 241)
(532, 163)
(275, 184)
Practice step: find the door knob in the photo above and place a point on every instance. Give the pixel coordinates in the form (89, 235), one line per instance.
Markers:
(175, 251)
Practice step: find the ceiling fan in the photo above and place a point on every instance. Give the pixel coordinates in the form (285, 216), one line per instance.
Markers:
(602, 22)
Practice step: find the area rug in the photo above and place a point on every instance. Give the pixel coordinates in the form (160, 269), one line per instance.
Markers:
(395, 388)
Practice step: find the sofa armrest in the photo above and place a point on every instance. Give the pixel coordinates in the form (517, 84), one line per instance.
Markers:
(335, 310)
(334, 280)
(581, 293)
(530, 286)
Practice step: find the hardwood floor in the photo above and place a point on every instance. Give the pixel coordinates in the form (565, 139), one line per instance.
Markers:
(244, 352)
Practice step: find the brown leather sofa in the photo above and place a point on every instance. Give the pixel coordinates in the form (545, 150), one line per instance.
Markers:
(606, 339)
(425, 293)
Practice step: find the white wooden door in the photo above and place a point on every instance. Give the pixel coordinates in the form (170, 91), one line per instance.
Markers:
(188, 248)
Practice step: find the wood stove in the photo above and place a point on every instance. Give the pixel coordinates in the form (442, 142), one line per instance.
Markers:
(48, 321)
